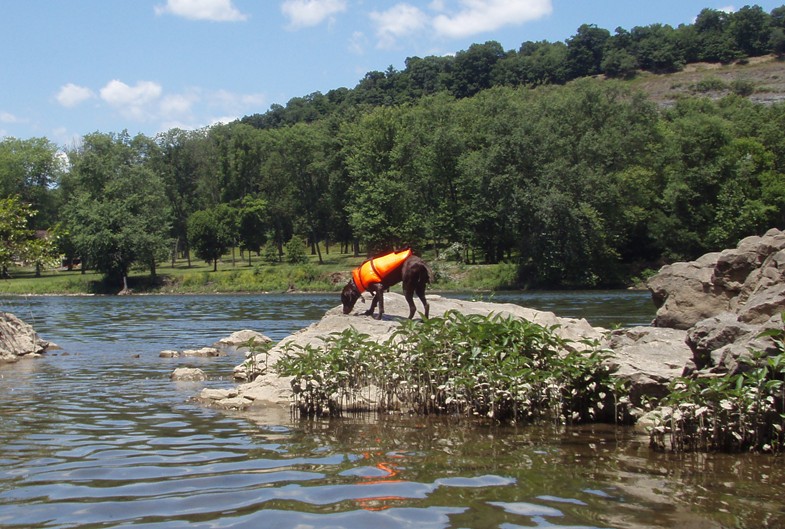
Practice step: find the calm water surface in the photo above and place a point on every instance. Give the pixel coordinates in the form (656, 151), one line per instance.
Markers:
(96, 435)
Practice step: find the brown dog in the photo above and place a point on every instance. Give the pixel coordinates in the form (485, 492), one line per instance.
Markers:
(379, 274)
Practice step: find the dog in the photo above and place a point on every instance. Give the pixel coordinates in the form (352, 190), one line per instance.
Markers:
(380, 273)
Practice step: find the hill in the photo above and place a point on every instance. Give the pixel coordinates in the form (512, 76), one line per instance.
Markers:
(761, 79)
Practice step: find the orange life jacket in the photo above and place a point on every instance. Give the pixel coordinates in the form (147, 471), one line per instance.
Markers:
(376, 269)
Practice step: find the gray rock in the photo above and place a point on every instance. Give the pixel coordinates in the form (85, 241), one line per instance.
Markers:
(239, 339)
(725, 300)
(204, 352)
(18, 339)
(649, 358)
(188, 374)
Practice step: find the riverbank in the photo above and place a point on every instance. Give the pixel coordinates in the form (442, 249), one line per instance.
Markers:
(238, 276)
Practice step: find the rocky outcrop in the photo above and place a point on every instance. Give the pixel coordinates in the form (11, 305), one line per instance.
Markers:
(724, 300)
(649, 358)
(19, 340)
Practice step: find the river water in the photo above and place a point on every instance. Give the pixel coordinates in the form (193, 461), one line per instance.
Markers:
(96, 435)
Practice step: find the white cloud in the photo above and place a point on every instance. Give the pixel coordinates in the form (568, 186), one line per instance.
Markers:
(118, 93)
(358, 43)
(178, 105)
(71, 95)
(7, 117)
(307, 13)
(478, 16)
(213, 10)
(236, 103)
(133, 102)
(398, 21)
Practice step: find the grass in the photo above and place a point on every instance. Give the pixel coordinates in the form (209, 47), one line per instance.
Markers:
(237, 276)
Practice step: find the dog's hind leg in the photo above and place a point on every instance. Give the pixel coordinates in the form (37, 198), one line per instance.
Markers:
(421, 295)
(409, 295)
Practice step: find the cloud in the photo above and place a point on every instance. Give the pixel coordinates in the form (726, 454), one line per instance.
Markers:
(71, 95)
(358, 42)
(7, 117)
(307, 13)
(478, 16)
(398, 21)
(213, 10)
(117, 93)
(133, 102)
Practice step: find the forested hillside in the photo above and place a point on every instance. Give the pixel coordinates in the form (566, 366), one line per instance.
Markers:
(559, 157)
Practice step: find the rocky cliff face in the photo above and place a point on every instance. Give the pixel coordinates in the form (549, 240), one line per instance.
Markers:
(724, 300)
(18, 339)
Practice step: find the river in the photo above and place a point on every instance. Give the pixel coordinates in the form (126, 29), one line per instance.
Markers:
(96, 435)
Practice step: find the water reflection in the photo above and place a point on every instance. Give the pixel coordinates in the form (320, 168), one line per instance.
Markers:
(97, 436)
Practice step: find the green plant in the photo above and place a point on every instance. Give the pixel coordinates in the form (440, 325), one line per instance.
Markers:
(507, 369)
(732, 412)
(257, 357)
(710, 84)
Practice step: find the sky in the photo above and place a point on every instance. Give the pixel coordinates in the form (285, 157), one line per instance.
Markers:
(73, 67)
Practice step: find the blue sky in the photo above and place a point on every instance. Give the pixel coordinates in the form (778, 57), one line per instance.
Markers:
(79, 66)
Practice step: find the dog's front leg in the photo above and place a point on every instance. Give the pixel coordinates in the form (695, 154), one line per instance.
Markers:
(375, 290)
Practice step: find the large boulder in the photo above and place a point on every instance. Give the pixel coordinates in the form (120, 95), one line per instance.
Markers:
(18, 339)
(725, 300)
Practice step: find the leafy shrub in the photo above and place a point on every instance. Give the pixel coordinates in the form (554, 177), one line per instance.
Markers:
(295, 250)
(710, 84)
(503, 368)
(732, 413)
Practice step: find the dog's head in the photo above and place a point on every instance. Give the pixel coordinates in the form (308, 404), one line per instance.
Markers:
(349, 296)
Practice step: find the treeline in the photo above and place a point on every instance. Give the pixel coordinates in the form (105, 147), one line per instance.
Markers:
(582, 184)
(715, 36)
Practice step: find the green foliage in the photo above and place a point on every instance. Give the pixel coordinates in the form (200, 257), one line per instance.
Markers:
(295, 250)
(503, 368)
(270, 254)
(210, 235)
(115, 211)
(734, 412)
(710, 84)
(18, 241)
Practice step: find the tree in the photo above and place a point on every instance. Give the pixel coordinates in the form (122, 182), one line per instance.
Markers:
(252, 225)
(29, 169)
(714, 40)
(585, 50)
(115, 206)
(14, 232)
(473, 68)
(750, 28)
(210, 237)
(657, 48)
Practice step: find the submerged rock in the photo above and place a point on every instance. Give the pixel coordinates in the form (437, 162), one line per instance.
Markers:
(188, 374)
